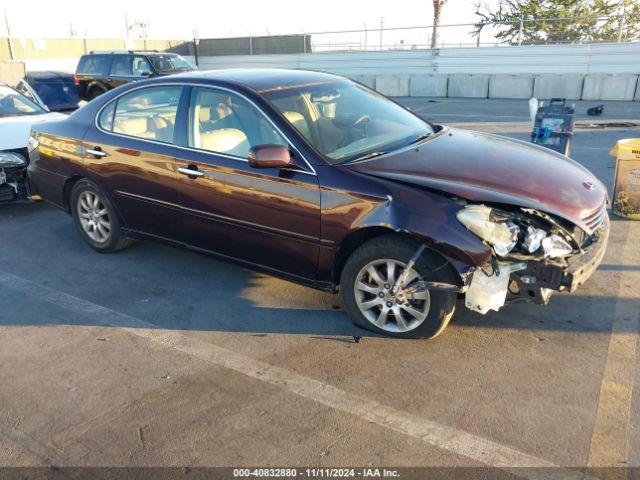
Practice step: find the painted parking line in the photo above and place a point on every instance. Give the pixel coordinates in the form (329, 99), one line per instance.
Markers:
(610, 438)
(433, 433)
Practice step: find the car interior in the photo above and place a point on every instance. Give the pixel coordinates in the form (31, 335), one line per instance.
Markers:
(150, 114)
(228, 124)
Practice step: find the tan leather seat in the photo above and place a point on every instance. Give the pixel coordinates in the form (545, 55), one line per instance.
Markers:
(299, 122)
(204, 113)
(136, 127)
(226, 140)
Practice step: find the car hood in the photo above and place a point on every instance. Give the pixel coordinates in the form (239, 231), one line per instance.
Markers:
(14, 131)
(482, 167)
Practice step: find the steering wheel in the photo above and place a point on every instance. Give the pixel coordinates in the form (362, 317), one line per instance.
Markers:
(357, 130)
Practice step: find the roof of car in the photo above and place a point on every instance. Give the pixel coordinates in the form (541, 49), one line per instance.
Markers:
(47, 75)
(262, 80)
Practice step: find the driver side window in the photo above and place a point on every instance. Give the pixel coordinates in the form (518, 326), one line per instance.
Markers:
(149, 113)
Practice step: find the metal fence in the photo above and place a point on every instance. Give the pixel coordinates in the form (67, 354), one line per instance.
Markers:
(539, 31)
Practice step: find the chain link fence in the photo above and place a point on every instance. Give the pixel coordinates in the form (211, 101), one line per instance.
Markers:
(539, 31)
(547, 31)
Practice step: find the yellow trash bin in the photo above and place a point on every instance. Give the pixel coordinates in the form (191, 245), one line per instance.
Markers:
(626, 188)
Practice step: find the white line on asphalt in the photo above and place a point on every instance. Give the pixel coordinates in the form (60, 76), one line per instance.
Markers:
(433, 433)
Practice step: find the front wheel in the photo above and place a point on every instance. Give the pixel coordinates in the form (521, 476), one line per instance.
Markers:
(367, 282)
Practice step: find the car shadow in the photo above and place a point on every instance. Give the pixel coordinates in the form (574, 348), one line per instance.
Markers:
(177, 289)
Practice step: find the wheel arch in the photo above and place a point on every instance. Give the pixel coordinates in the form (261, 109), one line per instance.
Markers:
(359, 237)
(96, 85)
(67, 188)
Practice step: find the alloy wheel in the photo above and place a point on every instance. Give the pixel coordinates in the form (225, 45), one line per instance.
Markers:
(391, 311)
(94, 217)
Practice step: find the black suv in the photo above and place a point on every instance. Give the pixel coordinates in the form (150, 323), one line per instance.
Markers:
(98, 72)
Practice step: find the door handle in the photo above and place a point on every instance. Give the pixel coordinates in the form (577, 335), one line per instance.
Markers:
(189, 172)
(96, 152)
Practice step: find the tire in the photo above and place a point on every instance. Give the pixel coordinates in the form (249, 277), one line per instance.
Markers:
(95, 92)
(104, 234)
(436, 307)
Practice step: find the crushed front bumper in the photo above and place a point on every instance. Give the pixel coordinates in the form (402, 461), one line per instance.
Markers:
(539, 279)
(535, 281)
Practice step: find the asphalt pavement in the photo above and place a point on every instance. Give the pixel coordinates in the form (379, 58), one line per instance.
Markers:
(157, 356)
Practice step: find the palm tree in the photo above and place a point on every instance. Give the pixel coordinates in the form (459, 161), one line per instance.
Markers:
(437, 10)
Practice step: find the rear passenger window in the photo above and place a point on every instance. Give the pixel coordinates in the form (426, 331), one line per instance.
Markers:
(106, 117)
(121, 66)
(222, 122)
(148, 113)
(94, 65)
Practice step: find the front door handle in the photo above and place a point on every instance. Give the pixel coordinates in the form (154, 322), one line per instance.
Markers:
(96, 152)
(190, 172)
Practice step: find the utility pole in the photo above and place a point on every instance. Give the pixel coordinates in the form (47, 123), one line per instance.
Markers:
(381, 27)
(6, 22)
(196, 45)
(365, 37)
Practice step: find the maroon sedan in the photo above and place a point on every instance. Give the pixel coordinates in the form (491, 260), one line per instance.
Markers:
(319, 180)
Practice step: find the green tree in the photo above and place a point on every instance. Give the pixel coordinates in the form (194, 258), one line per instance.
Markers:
(560, 21)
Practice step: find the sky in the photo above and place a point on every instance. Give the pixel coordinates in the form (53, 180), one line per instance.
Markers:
(214, 18)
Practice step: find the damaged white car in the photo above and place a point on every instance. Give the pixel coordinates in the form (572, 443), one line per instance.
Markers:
(17, 115)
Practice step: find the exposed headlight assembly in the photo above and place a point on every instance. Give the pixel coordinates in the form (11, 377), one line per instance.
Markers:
(501, 234)
(11, 160)
(555, 246)
(499, 230)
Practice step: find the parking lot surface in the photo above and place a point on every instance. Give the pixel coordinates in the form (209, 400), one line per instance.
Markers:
(157, 356)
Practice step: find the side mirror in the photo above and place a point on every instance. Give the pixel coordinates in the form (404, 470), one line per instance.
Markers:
(146, 73)
(269, 156)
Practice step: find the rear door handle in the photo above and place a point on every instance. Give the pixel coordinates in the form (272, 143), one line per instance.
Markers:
(96, 152)
(190, 172)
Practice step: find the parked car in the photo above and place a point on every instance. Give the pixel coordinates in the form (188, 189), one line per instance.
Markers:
(17, 115)
(54, 91)
(99, 72)
(319, 180)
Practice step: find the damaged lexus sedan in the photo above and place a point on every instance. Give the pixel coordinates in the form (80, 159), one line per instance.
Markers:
(319, 180)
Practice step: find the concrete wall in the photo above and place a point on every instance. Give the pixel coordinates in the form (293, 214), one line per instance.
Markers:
(428, 85)
(393, 85)
(550, 85)
(530, 59)
(510, 86)
(609, 87)
(368, 80)
(11, 72)
(468, 86)
(593, 72)
(545, 71)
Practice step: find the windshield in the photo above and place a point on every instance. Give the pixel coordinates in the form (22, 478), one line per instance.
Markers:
(345, 121)
(170, 63)
(13, 104)
(56, 92)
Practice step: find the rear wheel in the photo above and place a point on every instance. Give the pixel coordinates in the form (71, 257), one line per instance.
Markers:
(95, 92)
(96, 219)
(367, 289)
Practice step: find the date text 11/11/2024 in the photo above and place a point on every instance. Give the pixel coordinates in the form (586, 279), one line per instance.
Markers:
(315, 473)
